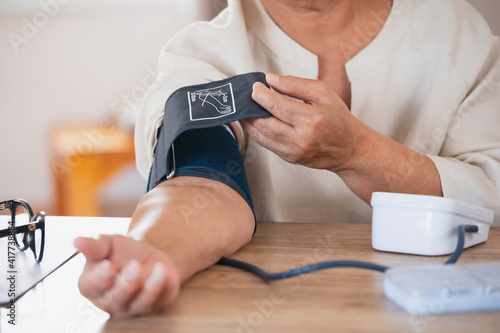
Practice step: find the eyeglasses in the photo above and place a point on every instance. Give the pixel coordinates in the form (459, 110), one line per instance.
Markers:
(27, 230)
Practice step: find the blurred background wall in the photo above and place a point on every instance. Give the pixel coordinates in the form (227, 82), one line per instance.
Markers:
(77, 63)
(85, 63)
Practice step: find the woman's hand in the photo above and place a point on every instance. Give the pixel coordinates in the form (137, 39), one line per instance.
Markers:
(314, 128)
(125, 277)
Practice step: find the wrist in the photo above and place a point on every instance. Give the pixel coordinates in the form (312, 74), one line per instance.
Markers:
(360, 151)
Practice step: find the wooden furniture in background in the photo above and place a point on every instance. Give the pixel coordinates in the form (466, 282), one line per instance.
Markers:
(84, 159)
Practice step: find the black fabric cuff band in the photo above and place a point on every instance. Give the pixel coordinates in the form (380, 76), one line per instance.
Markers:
(208, 105)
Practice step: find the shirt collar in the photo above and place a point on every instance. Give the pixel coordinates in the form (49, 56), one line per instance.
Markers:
(279, 43)
(289, 51)
(385, 43)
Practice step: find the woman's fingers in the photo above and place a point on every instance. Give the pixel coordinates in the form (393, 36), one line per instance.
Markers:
(127, 285)
(96, 279)
(307, 90)
(280, 106)
(148, 300)
(129, 281)
(133, 296)
(94, 249)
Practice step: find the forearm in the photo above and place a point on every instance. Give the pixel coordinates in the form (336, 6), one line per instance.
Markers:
(381, 164)
(195, 220)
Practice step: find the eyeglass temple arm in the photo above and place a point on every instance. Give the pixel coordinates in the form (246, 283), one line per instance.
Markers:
(21, 229)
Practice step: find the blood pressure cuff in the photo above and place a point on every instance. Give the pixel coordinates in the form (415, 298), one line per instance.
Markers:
(193, 140)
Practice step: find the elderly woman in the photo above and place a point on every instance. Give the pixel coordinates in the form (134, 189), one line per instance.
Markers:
(396, 96)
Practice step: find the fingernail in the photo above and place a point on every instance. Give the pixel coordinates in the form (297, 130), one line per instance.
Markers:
(102, 269)
(272, 78)
(131, 270)
(157, 275)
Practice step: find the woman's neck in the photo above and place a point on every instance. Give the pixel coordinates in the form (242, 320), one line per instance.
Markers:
(330, 27)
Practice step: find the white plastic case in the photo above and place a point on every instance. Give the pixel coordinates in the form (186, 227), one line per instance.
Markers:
(432, 290)
(424, 225)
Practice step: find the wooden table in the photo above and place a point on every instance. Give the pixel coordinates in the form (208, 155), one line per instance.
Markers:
(224, 299)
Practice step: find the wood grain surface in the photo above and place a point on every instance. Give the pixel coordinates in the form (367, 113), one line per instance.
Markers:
(225, 299)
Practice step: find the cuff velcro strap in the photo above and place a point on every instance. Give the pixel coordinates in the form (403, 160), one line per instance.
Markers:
(203, 106)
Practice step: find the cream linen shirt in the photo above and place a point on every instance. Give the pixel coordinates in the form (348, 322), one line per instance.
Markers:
(430, 80)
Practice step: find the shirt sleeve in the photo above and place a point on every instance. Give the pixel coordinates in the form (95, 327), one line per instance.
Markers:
(469, 160)
(202, 52)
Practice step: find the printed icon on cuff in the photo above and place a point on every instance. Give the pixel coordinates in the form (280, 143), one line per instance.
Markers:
(211, 103)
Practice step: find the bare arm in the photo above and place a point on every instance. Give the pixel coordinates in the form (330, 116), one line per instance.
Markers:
(180, 227)
(196, 220)
(381, 164)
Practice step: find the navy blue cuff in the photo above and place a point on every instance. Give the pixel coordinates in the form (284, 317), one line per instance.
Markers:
(210, 153)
